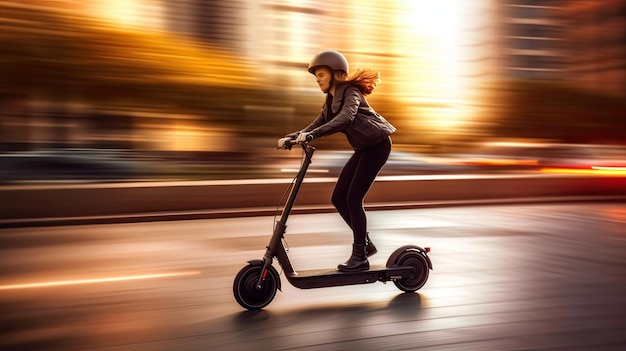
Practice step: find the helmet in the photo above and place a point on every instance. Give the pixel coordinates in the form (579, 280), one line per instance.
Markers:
(333, 59)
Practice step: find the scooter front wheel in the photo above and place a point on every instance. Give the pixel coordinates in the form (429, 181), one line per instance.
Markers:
(420, 272)
(246, 291)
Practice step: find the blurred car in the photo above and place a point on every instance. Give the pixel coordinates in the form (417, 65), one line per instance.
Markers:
(498, 156)
(537, 156)
(584, 157)
(71, 164)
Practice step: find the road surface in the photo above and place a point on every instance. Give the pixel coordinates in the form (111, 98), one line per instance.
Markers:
(509, 277)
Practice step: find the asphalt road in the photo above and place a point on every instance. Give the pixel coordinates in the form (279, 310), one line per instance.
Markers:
(512, 277)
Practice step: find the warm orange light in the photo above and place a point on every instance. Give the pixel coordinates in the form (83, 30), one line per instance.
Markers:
(502, 162)
(296, 170)
(431, 77)
(609, 168)
(95, 280)
(618, 171)
(134, 13)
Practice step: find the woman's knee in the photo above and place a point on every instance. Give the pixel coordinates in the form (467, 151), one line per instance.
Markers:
(339, 201)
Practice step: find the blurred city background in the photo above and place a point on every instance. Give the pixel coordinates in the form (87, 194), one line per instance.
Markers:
(201, 89)
(139, 173)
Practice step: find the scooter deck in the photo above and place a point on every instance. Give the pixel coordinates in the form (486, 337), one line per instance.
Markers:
(331, 271)
(321, 278)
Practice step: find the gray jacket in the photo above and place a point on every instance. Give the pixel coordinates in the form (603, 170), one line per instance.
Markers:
(363, 126)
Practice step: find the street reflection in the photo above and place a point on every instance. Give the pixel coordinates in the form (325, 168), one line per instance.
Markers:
(516, 276)
(92, 280)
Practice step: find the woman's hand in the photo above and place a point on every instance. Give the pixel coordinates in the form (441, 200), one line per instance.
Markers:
(304, 137)
(282, 142)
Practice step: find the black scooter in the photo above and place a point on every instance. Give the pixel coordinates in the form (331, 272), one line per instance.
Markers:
(255, 285)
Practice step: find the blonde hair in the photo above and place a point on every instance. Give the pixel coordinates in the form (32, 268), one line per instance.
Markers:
(366, 79)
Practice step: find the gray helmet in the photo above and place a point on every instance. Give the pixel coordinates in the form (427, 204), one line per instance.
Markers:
(333, 59)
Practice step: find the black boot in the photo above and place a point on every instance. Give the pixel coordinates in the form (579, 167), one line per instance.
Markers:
(370, 249)
(356, 262)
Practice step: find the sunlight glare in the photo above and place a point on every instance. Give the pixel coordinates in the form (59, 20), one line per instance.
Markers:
(134, 13)
(433, 25)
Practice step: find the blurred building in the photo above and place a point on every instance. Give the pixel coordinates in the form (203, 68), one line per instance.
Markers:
(595, 43)
(437, 60)
(582, 42)
(532, 39)
(431, 55)
(211, 22)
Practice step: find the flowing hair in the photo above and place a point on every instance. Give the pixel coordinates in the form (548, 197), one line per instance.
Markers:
(365, 79)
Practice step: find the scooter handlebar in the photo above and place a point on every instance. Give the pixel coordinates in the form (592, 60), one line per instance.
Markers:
(289, 143)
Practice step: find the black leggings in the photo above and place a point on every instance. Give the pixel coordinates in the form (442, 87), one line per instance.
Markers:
(354, 181)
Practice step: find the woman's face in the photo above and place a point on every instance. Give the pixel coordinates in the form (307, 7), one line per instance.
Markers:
(323, 76)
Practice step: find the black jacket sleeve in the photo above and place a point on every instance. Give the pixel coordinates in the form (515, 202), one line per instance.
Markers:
(351, 102)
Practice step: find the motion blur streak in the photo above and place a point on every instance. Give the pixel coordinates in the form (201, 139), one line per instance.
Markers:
(98, 280)
(193, 89)
(609, 168)
(618, 171)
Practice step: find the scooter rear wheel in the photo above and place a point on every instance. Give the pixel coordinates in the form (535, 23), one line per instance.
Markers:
(246, 292)
(416, 280)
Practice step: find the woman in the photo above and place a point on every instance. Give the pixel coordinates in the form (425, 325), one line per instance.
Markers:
(347, 111)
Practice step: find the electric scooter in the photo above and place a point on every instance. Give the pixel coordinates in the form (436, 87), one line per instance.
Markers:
(255, 285)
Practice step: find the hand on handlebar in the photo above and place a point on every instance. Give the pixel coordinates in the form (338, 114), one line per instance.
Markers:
(304, 137)
(283, 142)
(288, 142)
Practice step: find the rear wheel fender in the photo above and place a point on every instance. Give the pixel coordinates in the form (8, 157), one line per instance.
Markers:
(394, 256)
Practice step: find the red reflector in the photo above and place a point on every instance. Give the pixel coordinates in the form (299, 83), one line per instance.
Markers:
(427, 249)
(264, 274)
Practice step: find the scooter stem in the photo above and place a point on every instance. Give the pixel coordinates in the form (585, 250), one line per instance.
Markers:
(308, 152)
(281, 225)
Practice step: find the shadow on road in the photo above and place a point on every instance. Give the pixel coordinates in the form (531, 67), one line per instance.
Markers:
(317, 326)
(403, 306)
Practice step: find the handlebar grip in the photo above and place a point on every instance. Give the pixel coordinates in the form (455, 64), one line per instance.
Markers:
(289, 143)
